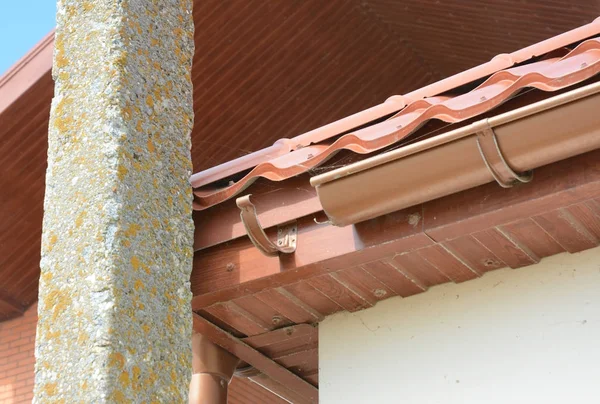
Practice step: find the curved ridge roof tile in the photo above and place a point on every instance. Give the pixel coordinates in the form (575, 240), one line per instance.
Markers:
(553, 74)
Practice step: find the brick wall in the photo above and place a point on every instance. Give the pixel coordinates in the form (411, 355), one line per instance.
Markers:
(17, 360)
(17, 342)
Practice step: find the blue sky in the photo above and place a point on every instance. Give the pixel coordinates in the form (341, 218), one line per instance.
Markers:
(22, 24)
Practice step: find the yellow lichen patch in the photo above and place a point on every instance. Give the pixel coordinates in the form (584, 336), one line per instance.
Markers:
(58, 301)
(135, 377)
(63, 124)
(116, 360)
(138, 285)
(84, 385)
(122, 172)
(136, 263)
(88, 6)
(150, 146)
(132, 230)
(64, 76)
(127, 112)
(121, 60)
(124, 378)
(146, 328)
(118, 397)
(60, 60)
(52, 334)
(82, 337)
(149, 101)
(79, 219)
(51, 242)
(138, 127)
(50, 389)
(47, 276)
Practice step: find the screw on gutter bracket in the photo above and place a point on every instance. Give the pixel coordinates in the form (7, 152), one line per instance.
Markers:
(379, 293)
(289, 331)
(276, 320)
(230, 267)
(483, 98)
(584, 64)
(286, 240)
(489, 262)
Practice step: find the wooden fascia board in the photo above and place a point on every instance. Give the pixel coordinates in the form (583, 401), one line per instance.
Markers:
(236, 269)
(26, 72)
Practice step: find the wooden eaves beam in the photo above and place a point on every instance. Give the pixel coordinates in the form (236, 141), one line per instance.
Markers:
(236, 268)
(260, 362)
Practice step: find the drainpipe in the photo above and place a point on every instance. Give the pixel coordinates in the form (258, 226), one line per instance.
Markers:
(212, 370)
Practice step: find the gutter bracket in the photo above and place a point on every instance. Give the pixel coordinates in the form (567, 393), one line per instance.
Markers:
(492, 156)
(286, 234)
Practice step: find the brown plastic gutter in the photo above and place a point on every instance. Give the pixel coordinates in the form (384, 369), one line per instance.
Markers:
(526, 138)
(393, 105)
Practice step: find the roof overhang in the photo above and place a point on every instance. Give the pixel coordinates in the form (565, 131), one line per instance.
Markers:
(543, 66)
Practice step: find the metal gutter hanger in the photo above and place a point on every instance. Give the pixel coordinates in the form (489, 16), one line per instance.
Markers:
(492, 156)
(286, 234)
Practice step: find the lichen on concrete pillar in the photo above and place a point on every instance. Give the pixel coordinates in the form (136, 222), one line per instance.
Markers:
(114, 303)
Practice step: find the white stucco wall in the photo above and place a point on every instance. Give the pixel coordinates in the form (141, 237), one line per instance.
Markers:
(530, 335)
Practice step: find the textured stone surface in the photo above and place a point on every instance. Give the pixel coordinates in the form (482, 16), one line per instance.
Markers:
(114, 314)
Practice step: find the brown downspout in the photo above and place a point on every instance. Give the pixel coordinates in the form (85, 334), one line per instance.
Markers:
(212, 370)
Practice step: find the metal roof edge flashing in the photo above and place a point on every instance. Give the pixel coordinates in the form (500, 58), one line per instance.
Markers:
(526, 138)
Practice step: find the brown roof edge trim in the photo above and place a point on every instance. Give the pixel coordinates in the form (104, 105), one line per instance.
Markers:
(283, 146)
(538, 134)
(27, 71)
(393, 104)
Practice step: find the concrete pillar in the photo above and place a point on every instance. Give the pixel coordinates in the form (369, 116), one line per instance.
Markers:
(114, 304)
(213, 368)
